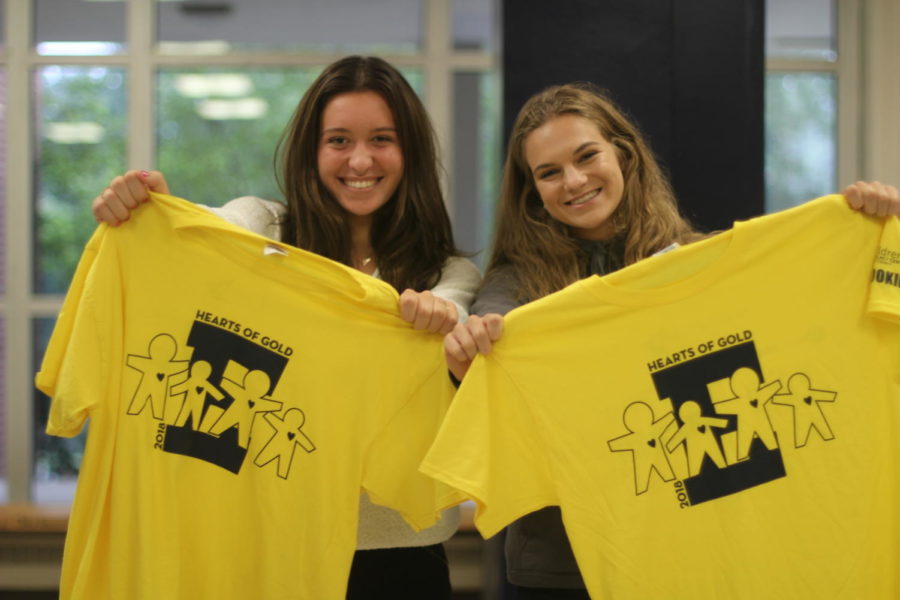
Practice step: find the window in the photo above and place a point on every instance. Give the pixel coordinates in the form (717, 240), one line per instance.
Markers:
(801, 110)
(100, 86)
(200, 91)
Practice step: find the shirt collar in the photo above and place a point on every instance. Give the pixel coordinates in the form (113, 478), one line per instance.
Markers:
(185, 215)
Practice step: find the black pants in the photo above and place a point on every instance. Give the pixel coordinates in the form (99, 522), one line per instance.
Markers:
(530, 593)
(397, 573)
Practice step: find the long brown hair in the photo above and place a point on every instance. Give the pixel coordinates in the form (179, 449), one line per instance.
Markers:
(540, 250)
(411, 234)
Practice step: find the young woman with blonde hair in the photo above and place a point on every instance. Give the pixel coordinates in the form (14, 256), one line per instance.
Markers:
(582, 194)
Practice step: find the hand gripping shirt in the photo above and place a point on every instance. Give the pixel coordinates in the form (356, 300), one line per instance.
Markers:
(241, 393)
(721, 421)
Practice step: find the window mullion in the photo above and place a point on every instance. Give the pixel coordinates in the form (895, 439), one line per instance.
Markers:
(849, 122)
(140, 75)
(438, 82)
(19, 227)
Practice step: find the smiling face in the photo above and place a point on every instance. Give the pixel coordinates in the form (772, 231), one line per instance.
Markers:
(359, 157)
(577, 175)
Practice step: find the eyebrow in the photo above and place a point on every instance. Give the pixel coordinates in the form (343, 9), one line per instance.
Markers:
(345, 130)
(576, 151)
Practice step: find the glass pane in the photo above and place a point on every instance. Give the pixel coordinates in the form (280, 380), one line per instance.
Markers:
(801, 29)
(476, 160)
(80, 146)
(801, 138)
(474, 22)
(310, 26)
(218, 128)
(416, 79)
(79, 27)
(56, 459)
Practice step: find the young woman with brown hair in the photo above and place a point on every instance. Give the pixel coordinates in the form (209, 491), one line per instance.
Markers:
(359, 173)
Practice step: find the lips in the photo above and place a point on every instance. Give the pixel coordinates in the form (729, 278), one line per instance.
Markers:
(584, 198)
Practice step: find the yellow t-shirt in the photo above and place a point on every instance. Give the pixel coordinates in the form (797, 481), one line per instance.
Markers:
(240, 393)
(722, 421)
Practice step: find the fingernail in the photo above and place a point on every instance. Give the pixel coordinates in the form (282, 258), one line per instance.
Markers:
(145, 174)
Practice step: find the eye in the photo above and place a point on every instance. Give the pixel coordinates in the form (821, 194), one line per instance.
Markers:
(383, 138)
(547, 173)
(336, 140)
(588, 155)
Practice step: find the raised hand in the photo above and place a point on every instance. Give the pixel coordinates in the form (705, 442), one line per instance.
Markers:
(873, 198)
(125, 193)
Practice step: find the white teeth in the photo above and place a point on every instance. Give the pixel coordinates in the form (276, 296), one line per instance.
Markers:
(583, 199)
(361, 184)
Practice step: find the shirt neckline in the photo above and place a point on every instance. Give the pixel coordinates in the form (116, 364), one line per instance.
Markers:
(634, 285)
(288, 264)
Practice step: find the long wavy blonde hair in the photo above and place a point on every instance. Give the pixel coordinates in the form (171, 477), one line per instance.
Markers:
(540, 250)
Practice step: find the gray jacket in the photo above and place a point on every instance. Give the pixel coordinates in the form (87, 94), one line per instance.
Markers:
(538, 553)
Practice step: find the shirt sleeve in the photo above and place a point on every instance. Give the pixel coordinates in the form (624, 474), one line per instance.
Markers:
(76, 363)
(490, 449)
(255, 214)
(884, 292)
(460, 279)
(390, 470)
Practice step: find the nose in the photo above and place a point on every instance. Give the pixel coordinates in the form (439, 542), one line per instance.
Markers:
(573, 179)
(360, 159)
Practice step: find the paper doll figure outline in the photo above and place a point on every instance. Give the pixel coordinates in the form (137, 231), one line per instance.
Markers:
(808, 415)
(644, 441)
(155, 368)
(249, 398)
(697, 435)
(749, 405)
(195, 388)
(284, 441)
